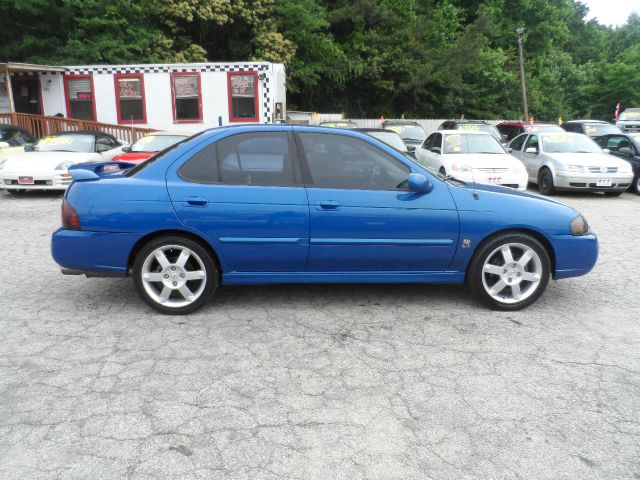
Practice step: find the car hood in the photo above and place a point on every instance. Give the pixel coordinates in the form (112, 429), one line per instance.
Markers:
(46, 161)
(509, 208)
(9, 151)
(483, 160)
(588, 159)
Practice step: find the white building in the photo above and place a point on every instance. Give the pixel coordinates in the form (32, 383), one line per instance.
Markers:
(183, 97)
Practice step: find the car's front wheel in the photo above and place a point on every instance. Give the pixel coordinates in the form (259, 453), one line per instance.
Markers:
(636, 184)
(510, 271)
(175, 275)
(545, 182)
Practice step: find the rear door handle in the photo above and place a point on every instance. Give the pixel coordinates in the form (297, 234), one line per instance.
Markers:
(196, 201)
(328, 205)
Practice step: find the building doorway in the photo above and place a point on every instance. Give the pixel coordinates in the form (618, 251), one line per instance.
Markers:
(27, 97)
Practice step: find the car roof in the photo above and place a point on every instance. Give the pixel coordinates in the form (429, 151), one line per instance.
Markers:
(586, 121)
(82, 132)
(464, 132)
(527, 124)
(468, 121)
(400, 122)
(381, 130)
(167, 133)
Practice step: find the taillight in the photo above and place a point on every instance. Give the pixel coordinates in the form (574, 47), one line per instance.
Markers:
(70, 219)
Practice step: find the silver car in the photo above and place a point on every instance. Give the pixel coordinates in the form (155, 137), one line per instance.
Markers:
(570, 161)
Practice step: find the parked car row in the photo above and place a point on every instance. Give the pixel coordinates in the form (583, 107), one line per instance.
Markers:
(29, 164)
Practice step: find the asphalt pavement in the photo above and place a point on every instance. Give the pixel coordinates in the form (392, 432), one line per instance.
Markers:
(318, 382)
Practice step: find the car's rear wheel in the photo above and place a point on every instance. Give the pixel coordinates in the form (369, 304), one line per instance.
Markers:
(636, 184)
(510, 271)
(545, 182)
(175, 275)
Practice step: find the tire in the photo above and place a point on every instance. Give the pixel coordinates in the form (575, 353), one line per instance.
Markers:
(162, 271)
(545, 182)
(494, 276)
(612, 194)
(636, 184)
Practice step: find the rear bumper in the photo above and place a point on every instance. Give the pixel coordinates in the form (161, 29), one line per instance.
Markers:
(93, 253)
(575, 256)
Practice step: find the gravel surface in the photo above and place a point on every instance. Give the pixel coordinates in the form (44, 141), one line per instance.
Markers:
(318, 382)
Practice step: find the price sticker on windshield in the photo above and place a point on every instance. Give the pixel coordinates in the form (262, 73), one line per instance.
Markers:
(466, 126)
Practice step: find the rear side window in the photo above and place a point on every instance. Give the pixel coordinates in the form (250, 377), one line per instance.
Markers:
(262, 158)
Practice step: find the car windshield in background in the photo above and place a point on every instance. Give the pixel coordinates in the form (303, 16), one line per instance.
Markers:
(597, 129)
(569, 144)
(630, 115)
(461, 143)
(65, 143)
(409, 132)
(544, 128)
(390, 138)
(481, 127)
(155, 143)
(339, 124)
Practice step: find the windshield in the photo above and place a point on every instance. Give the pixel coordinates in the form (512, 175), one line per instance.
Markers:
(544, 128)
(597, 129)
(409, 132)
(65, 143)
(569, 144)
(630, 115)
(462, 143)
(339, 124)
(481, 127)
(390, 138)
(155, 143)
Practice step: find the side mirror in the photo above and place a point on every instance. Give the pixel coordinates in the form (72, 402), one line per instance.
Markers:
(532, 150)
(126, 149)
(436, 150)
(626, 151)
(29, 147)
(4, 145)
(419, 183)
(606, 150)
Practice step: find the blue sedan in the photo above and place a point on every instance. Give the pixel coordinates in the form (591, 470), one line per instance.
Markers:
(266, 204)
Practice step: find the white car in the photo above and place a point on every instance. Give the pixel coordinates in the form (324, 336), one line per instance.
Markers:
(571, 161)
(44, 165)
(473, 157)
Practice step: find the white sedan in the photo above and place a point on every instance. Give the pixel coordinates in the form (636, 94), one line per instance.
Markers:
(571, 161)
(473, 157)
(44, 166)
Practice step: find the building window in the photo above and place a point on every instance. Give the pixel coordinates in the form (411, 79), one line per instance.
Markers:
(243, 96)
(80, 101)
(185, 88)
(130, 100)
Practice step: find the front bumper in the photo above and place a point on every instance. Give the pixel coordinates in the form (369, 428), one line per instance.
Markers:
(574, 255)
(94, 253)
(504, 179)
(592, 181)
(54, 180)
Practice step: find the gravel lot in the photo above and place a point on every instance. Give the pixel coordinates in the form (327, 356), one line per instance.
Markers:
(318, 382)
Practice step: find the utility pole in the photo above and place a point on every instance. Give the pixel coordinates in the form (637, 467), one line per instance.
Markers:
(520, 32)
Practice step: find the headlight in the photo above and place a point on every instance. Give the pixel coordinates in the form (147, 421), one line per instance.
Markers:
(579, 226)
(623, 169)
(2, 162)
(575, 168)
(460, 168)
(64, 165)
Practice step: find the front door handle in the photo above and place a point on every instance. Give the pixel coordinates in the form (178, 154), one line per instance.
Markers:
(328, 205)
(196, 201)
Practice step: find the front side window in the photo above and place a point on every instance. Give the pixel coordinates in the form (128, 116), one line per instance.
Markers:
(243, 96)
(336, 161)
(185, 88)
(80, 101)
(517, 142)
(15, 138)
(130, 98)
(532, 142)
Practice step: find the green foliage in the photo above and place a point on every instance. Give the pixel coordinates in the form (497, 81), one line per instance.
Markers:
(420, 58)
